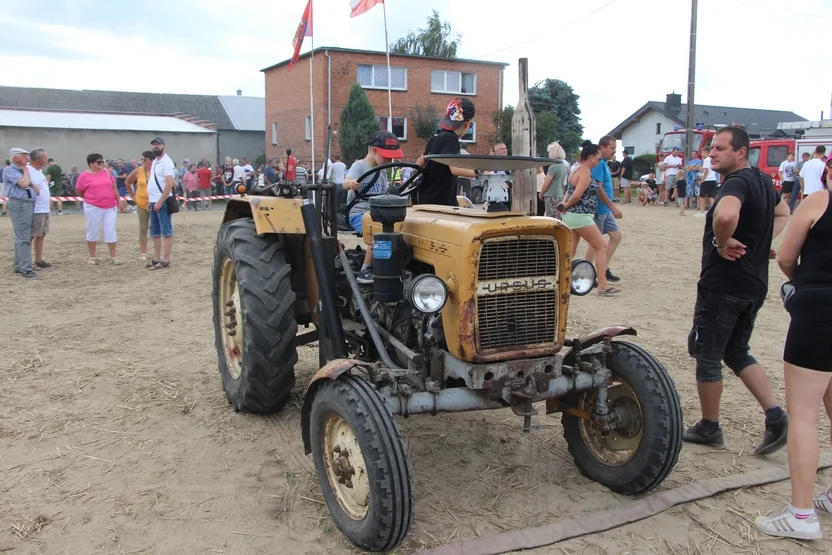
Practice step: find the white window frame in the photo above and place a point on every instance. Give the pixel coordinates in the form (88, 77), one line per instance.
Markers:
(384, 69)
(274, 132)
(473, 131)
(445, 89)
(379, 118)
(307, 128)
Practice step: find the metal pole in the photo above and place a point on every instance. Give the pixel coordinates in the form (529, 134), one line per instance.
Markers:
(312, 95)
(389, 72)
(691, 82)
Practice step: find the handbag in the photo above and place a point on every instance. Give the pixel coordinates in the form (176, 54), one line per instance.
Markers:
(170, 201)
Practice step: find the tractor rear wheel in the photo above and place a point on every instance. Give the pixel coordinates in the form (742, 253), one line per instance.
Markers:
(640, 454)
(254, 320)
(362, 465)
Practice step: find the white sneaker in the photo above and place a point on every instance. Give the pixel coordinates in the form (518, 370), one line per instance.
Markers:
(700, 215)
(784, 524)
(823, 503)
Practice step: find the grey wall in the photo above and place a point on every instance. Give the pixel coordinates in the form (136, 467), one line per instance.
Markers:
(70, 147)
(237, 144)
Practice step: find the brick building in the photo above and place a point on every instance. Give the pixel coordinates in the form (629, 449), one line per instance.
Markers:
(415, 79)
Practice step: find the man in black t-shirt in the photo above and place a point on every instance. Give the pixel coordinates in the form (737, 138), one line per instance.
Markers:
(626, 176)
(747, 214)
(439, 185)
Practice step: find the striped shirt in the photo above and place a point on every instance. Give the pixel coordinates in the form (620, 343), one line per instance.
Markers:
(11, 175)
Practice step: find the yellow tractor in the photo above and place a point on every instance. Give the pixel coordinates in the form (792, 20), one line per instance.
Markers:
(467, 311)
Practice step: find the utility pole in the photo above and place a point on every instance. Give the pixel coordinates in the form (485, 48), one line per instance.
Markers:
(691, 82)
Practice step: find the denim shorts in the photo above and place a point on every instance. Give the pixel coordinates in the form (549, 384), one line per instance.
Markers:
(606, 223)
(160, 222)
(355, 222)
(722, 327)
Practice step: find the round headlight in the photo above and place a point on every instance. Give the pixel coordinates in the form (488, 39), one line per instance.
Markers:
(583, 277)
(428, 294)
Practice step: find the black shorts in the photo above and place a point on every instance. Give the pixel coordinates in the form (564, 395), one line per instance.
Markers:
(722, 326)
(807, 342)
(706, 189)
(787, 187)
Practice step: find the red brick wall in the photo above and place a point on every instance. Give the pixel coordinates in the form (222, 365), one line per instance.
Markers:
(287, 100)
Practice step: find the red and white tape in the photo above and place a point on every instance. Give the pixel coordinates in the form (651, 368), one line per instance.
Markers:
(129, 199)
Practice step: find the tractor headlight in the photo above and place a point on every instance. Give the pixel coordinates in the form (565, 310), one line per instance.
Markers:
(583, 277)
(428, 294)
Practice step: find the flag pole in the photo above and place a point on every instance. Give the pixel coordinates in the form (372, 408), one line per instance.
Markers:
(311, 92)
(389, 72)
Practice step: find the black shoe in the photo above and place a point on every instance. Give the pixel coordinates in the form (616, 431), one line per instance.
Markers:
(29, 274)
(365, 276)
(611, 277)
(775, 436)
(697, 434)
(43, 264)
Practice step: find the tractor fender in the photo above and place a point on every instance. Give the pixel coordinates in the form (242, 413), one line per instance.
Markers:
(604, 334)
(332, 371)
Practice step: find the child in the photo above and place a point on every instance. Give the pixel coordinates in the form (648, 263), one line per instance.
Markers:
(383, 147)
(681, 190)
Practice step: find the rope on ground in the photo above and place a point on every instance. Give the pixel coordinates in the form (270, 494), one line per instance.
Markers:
(646, 507)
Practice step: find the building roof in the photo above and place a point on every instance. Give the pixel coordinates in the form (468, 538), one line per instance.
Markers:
(377, 53)
(757, 121)
(247, 113)
(208, 108)
(97, 121)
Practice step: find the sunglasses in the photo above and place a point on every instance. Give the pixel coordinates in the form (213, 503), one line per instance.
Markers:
(98, 162)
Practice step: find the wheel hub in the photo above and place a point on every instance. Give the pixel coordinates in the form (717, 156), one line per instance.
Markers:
(346, 468)
(616, 438)
(231, 317)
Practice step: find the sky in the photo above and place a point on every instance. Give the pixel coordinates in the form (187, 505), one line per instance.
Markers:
(615, 54)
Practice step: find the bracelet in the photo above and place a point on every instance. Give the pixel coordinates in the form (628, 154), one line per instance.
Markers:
(718, 247)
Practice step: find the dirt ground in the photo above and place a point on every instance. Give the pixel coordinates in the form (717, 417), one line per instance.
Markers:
(116, 437)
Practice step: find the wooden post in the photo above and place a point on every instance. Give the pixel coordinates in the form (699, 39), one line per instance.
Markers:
(524, 189)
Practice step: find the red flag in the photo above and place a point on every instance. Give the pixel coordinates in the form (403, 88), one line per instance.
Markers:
(360, 6)
(304, 30)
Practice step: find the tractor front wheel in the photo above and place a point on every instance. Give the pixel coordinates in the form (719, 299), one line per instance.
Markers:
(254, 320)
(644, 449)
(362, 464)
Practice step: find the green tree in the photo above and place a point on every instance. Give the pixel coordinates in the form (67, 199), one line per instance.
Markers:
(436, 40)
(423, 118)
(546, 128)
(643, 164)
(553, 95)
(502, 127)
(571, 142)
(357, 124)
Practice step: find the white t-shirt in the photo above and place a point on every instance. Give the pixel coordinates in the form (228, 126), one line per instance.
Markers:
(42, 200)
(339, 172)
(787, 169)
(811, 174)
(239, 174)
(159, 170)
(706, 165)
(671, 161)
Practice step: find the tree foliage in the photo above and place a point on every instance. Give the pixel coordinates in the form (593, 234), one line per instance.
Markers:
(643, 164)
(502, 127)
(436, 40)
(423, 118)
(357, 124)
(557, 97)
(546, 130)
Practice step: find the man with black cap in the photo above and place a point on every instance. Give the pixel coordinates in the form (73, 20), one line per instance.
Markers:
(439, 185)
(159, 187)
(21, 193)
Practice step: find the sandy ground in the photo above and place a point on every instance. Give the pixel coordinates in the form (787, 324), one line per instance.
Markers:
(116, 437)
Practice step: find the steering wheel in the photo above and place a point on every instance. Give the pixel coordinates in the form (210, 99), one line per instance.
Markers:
(405, 189)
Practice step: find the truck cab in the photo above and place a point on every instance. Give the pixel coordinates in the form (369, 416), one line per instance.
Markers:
(767, 155)
(678, 139)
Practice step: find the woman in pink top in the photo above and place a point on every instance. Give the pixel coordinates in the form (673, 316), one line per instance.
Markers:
(191, 185)
(101, 202)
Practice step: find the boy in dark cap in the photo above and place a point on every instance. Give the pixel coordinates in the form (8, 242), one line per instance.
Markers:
(382, 148)
(439, 185)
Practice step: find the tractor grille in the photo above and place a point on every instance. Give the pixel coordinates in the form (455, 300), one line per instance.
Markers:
(517, 317)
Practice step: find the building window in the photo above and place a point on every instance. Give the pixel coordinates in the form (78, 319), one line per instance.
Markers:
(375, 77)
(659, 128)
(307, 133)
(453, 82)
(274, 133)
(399, 126)
(471, 135)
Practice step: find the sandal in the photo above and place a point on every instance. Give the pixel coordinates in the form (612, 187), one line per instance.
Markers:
(116, 261)
(143, 257)
(151, 263)
(160, 265)
(92, 262)
(609, 292)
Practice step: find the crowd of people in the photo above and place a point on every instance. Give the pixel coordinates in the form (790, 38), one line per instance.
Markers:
(744, 215)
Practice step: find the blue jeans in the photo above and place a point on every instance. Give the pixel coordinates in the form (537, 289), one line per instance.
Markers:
(793, 199)
(160, 222)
